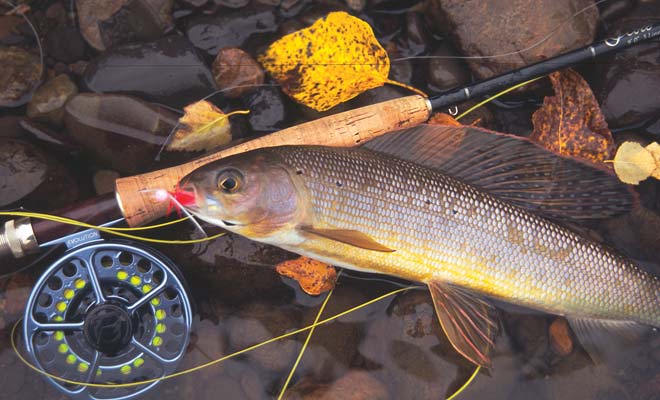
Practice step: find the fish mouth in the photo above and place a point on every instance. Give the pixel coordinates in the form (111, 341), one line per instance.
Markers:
(203, 215)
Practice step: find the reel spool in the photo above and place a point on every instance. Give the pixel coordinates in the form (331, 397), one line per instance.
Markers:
(107, 311)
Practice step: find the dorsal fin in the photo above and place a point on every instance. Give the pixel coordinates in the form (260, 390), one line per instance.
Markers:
(512, 168)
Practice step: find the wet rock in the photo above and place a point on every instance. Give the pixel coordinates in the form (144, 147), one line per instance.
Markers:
(20, 73)
(33, 179)
(356, 5)
(407, 349)
(355, 385)
(628, 82)
(613, 10)
(232, 3)
(378, 95)
(560, 337)
(530, 334)
(231, 29)
(10, 30)
(638, 232)
(208, 342)
(335, 345)
(232, 268)
(506, 26)
(267, 111)
(168, 70)
(252, 385)
(47, 103)
(194, 3)
(236, 73)
(261, 321)
(55, 139)
(107, 23)
(122, 132)
(104, 181)
(64, 44)
(445, 73)
(417, 37)
(10, 127)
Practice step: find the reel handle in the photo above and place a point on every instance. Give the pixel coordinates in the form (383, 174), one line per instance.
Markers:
(347, 128)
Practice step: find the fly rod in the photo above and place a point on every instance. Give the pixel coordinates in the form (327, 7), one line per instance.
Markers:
(134, 197)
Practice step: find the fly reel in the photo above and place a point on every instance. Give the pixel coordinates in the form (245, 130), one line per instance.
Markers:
(107, 311)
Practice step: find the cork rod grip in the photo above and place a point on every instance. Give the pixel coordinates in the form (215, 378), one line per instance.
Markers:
(349, 128)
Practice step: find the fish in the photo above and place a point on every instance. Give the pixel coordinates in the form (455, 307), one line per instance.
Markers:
(480, 217)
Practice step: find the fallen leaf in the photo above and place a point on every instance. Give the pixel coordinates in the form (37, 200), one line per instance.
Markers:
(202, 127)
(443, 119)
(330, 62)
(313, 276)
(634, 163)
(571, 122)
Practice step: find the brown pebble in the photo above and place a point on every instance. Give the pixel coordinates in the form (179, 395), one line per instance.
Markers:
(560, 337)
(236, 72)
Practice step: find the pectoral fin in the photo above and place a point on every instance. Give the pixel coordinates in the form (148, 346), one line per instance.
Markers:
(470, 322)
(350, 237)
(597, 336)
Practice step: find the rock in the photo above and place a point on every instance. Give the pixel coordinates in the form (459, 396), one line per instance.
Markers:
(406, 348)
(267, 111)
(231, 29)
(10, 30)
(494, 27)
(231, 268)
(560, 337)
(356, 5)
(121, 132)
(236, 73)
(47, 103)
(20, 73)
(627, 83)
(232, 3)
(107, 23)
(529, 333)
(180, 78)
(446, 73)
(10, 127)
(355, 385)
(31, 178)
(637, 233)
(261, 321)
(104, 181)
(16, 294)
(55, 139)
(64, 44)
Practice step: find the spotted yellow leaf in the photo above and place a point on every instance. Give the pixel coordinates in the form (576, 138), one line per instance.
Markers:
(330, 62)
(634, 163)
(202, 127)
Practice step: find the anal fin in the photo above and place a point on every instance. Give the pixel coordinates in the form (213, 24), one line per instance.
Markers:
(469, 321)
(597, 336)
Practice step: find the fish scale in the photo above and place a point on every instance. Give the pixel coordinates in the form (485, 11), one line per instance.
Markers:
(446, 230)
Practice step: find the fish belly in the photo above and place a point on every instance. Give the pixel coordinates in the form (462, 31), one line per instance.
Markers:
(444, 230)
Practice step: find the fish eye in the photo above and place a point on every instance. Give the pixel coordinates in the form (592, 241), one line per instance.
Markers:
(230, 181)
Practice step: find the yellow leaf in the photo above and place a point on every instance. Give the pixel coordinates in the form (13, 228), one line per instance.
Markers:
(634, 163)
(202, 127)
(330, 62)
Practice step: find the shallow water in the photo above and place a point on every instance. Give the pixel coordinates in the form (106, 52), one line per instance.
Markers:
(394, 348)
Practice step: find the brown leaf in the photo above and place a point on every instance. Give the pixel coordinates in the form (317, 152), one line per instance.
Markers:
(570, 122)
(443, 119)
(313, 276)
